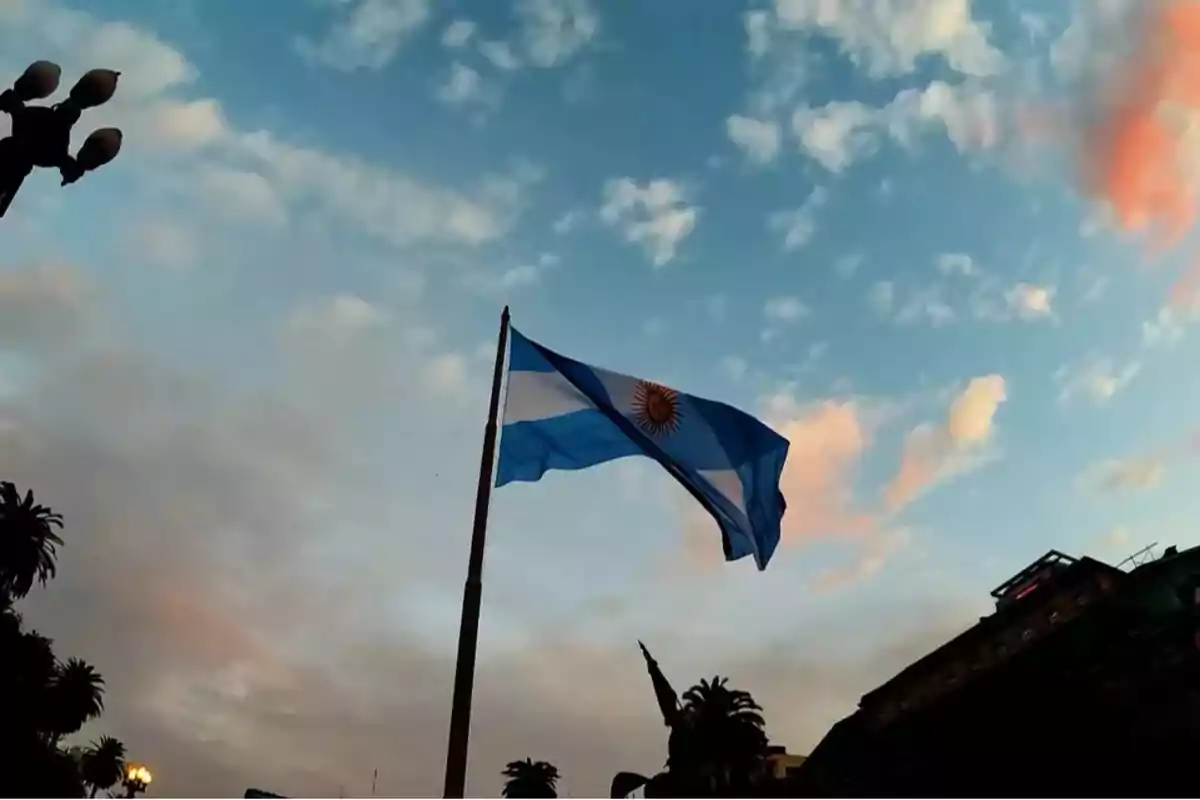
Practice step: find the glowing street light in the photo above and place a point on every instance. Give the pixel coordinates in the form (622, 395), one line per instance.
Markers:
(137, 778)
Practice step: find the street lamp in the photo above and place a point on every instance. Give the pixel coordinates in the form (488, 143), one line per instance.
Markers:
(137, 778)
(41, 135)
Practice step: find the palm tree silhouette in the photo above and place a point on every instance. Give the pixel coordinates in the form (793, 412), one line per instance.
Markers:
(27, 542)
(719, 742)
(530, 778)
(43, 699)
(76, 695)
(103, 764)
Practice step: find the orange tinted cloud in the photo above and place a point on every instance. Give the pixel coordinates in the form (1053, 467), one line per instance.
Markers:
(926, 449)
(973, 411)
(826, 444)
(1137, 153)
(934, 453)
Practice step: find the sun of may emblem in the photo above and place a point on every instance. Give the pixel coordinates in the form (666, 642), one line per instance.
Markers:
(656, 408)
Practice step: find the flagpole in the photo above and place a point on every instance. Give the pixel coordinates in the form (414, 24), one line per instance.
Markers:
(468, 630)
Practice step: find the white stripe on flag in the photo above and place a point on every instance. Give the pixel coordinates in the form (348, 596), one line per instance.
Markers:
(534, 396)
(727, 482)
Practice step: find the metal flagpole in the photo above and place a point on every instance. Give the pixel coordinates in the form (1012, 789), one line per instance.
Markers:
(468, 630)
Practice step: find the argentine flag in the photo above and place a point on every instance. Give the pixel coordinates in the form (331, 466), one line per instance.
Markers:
(561, 414)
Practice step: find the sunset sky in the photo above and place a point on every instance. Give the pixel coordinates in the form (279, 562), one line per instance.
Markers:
(249, 360)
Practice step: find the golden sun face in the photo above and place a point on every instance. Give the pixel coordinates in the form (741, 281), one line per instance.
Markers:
(656, 409)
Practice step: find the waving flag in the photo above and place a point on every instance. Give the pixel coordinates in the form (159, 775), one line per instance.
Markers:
(562, 414)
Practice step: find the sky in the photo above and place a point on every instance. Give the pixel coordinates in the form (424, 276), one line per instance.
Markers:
(249, 360)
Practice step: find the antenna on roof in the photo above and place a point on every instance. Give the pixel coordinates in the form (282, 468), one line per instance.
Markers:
(1140, 557)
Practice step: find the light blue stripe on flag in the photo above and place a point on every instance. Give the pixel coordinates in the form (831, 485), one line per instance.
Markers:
(562, 414)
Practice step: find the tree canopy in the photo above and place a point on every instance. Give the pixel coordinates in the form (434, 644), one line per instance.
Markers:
(530, 778)
(45, 699)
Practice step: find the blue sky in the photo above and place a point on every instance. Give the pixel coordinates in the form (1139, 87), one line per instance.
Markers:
(249, 360)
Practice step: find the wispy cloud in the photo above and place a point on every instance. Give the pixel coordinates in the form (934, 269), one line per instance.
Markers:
(657, 216)
(366, 34)
(799, 225)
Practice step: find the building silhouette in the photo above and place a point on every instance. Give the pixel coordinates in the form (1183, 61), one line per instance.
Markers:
(1085, 680)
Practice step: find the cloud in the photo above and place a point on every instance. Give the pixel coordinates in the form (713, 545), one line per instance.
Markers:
(836, 134)
(1117, 474)
(882, 297)
(500, 54)
(827, 441)
(888, 39)
(799, 225)
(242, 194)
(568, 222)
(447, 373)
(385, 204)
(333, 321)
(957, 264)
(1031, 302)
(464, 86)
(1164, 331)
(874, 555)
(188, 124)
(657, 216)
(147, 65)
(785, 310)
(505, 282)
(161, 241)
(840, 133)
(926, 305)
(936, 453)
(42, 308)
(1095, 378)
(734, 368)
(758, 32)
(366, 34)
(1095, 40)
(555, 31)
(458, 33)
(973, 412)
(758, 139)
(1117, 539)
(846, 266)
(965, 290)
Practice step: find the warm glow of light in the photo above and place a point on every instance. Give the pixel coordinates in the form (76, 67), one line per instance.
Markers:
(1026, 591)
(136, 773)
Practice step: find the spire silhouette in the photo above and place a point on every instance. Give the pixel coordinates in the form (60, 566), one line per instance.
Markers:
(668, 701)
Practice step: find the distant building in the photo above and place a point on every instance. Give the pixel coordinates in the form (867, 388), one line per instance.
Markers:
(1084, 681)
(783, 764)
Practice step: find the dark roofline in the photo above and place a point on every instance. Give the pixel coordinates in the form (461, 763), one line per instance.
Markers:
(986, 626)
(1052, 557)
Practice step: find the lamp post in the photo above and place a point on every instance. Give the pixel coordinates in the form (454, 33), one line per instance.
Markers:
(137, 778)
(41, 134)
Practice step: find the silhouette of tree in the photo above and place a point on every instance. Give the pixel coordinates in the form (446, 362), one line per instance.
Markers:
(719, 744)
(75, 696)
(27, 542)
(42, 699)
(530, 778)
(103, 764)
